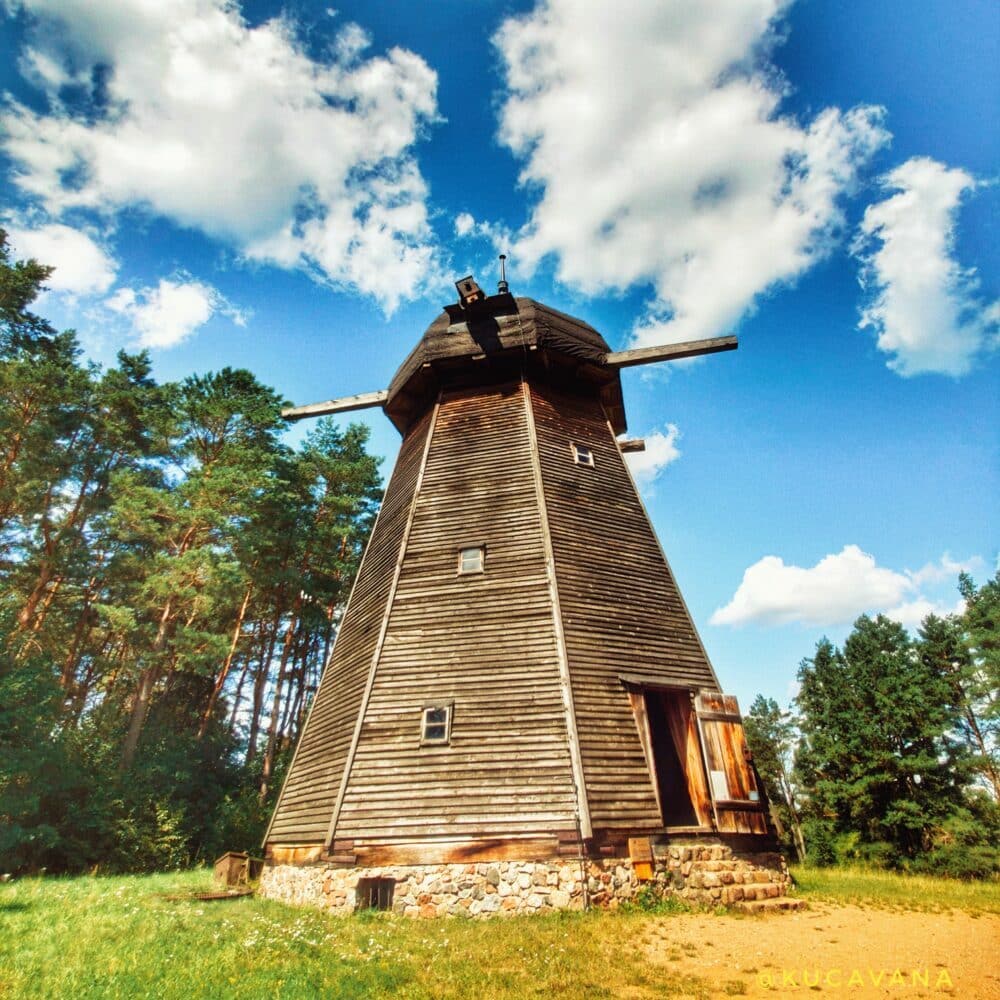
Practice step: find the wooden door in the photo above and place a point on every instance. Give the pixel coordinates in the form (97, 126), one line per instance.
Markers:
(732, 784)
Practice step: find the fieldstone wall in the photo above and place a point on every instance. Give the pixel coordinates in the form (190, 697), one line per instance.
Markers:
(502, 888)
(709, 875)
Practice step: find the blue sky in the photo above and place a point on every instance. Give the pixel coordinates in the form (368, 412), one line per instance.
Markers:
(293, 188)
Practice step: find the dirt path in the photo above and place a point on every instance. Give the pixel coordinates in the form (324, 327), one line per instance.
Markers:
(834, 950)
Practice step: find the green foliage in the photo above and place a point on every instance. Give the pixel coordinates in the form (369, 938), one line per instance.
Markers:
(877, 757)
(171, 579)
(976, 667)
(653, 898)
(771, 736)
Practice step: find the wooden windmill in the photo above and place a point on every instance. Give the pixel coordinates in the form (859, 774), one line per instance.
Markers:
(516, 674)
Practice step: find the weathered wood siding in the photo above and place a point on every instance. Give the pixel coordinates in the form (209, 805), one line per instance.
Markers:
(621, 609)
(485, 641)
(307, 799)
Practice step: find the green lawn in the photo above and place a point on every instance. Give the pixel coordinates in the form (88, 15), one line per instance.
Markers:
(881, 888)
(118, 937)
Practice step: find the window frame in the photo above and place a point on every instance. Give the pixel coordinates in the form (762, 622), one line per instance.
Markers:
(479, 547)
(448, 707)
(578, 451)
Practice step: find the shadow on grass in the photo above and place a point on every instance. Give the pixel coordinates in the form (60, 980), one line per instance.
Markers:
(14, 906)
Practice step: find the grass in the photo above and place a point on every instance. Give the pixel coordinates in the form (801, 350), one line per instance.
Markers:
(118, 937)
(872, 887)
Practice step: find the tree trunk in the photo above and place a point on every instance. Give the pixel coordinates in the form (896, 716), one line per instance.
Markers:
(260, 682)
(79, 631)
(989, 767)
(227, 664)
(147, 682)
(272, 729)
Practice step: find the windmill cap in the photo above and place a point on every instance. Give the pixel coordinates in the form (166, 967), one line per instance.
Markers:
(490, 337)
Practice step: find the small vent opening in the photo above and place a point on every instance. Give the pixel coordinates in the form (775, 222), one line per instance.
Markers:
(375, 893)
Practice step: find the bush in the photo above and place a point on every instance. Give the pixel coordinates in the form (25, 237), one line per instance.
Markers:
(821, 848)
(654, 898)
(958, 861)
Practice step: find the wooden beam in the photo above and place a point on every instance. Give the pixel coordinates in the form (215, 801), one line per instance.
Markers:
(669, 352)
(631, 444)
(343, 405)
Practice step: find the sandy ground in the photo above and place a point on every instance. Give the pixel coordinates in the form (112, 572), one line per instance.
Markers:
(834, 950)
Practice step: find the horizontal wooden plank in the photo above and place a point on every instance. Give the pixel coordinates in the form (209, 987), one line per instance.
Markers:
(345, 404)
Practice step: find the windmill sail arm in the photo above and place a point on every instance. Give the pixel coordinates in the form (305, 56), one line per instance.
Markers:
(670, 352)
(345, 404)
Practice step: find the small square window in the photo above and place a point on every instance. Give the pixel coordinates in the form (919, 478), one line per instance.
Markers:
(435, 725)
(471, 559)
(582, 455)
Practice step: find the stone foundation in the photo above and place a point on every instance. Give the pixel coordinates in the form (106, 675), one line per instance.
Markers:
(704, 875)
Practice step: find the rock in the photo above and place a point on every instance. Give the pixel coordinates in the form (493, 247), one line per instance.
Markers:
(558, 899)
(493, 875)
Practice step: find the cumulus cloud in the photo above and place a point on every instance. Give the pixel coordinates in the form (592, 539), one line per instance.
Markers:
(655, 142)
(834, 591)
(82, 267)
(185, 110)
(661, 450)
(167, 314)
(925, 309)
(912, 613)
(946, 568)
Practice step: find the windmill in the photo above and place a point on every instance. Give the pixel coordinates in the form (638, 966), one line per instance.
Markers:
(516, 677)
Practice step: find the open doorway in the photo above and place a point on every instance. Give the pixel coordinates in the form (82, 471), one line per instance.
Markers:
(669, 731)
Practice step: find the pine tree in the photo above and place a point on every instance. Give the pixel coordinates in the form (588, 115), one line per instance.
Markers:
(771, 736)
(877, 759)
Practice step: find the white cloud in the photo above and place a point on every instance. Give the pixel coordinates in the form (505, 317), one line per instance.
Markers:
(233, 130)
(911, 614)
(945, 568)
(925, 310)
(661, 450)
(836, 590)
(654, 139)
(167, 314)
(81, 266)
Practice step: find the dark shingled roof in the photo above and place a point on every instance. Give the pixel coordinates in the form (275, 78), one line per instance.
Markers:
(503, 323)
(494, 338)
